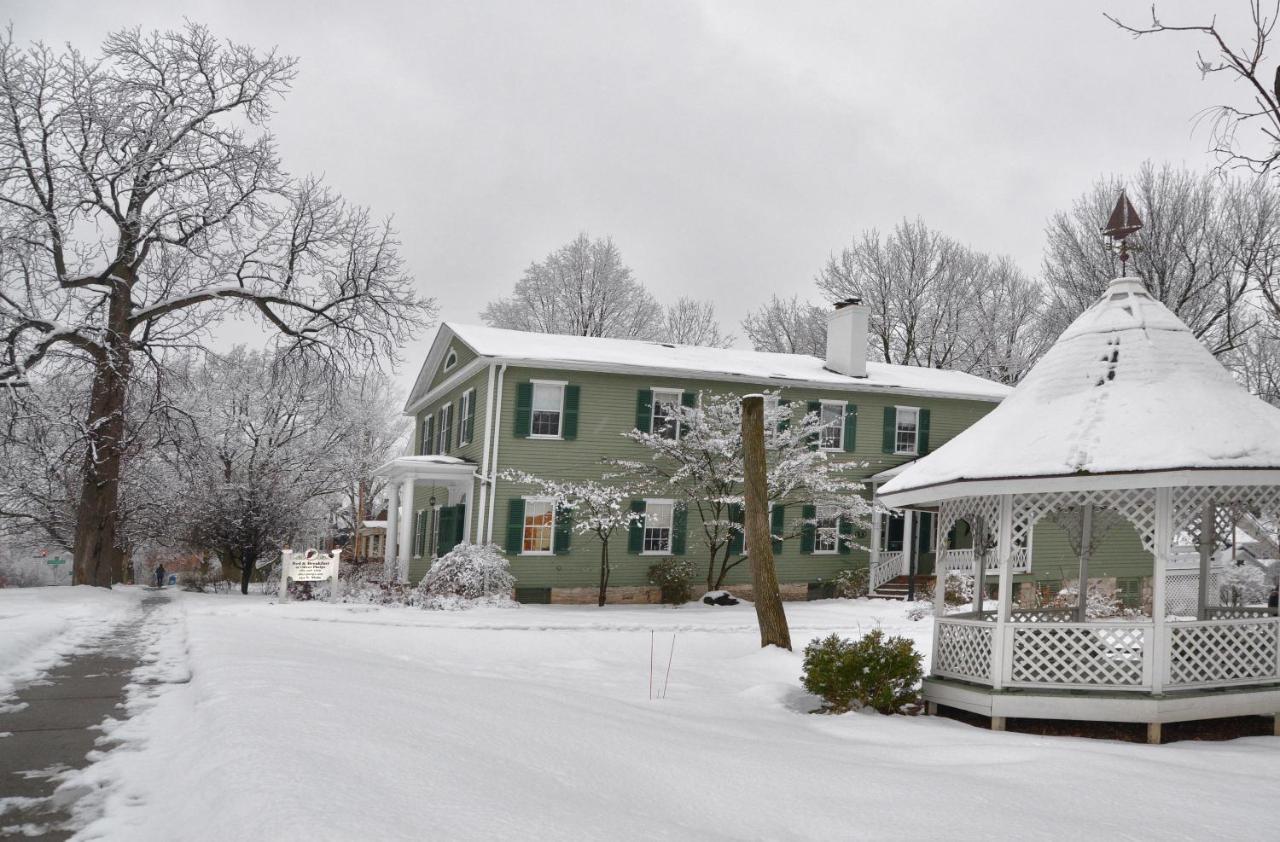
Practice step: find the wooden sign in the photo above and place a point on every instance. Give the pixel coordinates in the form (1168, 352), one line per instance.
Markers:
(311, 566)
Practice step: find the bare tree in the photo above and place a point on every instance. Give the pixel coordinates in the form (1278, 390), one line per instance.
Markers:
(1244, 62)
(1207, 242)
(693, 322)
(788, 326)
(141, 198)
(1007, 322)
(581, 289)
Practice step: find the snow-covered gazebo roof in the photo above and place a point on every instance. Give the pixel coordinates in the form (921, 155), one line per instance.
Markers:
(1126, 397)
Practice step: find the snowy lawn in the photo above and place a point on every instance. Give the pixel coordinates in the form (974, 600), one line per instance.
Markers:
(316, 721)
(41, 626)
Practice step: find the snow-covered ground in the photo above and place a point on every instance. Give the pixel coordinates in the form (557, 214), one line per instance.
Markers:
(316, 721)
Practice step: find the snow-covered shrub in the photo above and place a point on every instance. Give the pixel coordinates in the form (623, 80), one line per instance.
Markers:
(959, 593)
(1099, 605)
(874, 671)
(466, 574)
(1243, 584)
(853, 584)
(673, 576)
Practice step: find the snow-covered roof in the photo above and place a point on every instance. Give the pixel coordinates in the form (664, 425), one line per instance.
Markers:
(602, 354)
(1127, 388)
(374, 524)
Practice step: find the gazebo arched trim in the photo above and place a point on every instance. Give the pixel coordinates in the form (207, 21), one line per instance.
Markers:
(1136, 505)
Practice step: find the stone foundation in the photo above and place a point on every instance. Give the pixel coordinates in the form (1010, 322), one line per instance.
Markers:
(649, 595)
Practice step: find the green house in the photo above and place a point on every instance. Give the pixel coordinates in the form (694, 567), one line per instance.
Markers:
(488, 401)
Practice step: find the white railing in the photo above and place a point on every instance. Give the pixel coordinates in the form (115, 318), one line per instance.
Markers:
(961, 561)
(888, 566)
(1222, 653)
(962, 649)
(1047, 653)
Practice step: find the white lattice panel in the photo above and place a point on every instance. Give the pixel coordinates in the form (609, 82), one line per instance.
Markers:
(1083, 655)
(974, 511)
(1222, 652)
(1136, 505)
(886, 567)
(961, 561)
(1182, 591)
(963, 650)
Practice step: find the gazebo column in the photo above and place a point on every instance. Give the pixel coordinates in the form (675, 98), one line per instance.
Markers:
(1159, 601)
(1086, 548)
(875, 537)
(405, 540)
(389, 538)
(1000, 652)
(1206, 556)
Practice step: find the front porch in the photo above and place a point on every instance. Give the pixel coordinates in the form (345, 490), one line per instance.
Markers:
(414, 532)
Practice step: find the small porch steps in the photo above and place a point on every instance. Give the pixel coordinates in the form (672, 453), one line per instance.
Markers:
(899, 587)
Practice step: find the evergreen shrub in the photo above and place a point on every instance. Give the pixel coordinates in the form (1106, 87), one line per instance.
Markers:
(874, 671)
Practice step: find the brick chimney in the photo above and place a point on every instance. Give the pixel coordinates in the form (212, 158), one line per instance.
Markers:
(847, 338)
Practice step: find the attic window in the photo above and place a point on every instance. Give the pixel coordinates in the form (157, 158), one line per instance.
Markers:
(1119, 296)
(451, 359)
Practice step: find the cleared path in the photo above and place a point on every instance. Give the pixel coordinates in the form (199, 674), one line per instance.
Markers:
(51, 728)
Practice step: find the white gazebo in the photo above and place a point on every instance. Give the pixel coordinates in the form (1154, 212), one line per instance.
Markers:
(456, 476)
(1127, 422)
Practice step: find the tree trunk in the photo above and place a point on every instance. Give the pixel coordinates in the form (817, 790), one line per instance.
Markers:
(247, 561)
(97, 550)
(764, 578)
(604, 572)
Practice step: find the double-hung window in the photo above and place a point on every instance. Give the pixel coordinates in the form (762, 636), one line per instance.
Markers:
(428, 433)
(465, 416)
(445, 433)
(826, 536)
(539, 527)
(548, 409)
(907, 433)
(832, 430)
(658, 518)
(666, 413)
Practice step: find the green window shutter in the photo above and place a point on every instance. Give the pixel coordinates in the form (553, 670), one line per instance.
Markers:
(922, 433)
(777, 522)
(850, 428)
(635, 532)
(808, 530)
(784, 423)
(445, 530)
(679, 528)
(814, 407)
(564, 529)
(515, 525)
(459, 523)
(471, 417)
(689, 399)
(569, 424)
(890, 441)
(524, 409)
(846, 533)
(644, 411)
(736, 539)
(448, 429)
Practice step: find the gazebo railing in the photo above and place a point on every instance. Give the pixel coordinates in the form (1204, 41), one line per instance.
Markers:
(1109, 655)
(961, 561)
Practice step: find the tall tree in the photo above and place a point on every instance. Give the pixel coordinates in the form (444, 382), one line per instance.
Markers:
(693, 322)
(141, 198)
(770, 615)
(1244, 62)
(581, 289)
(788, 326)
(1206, 242)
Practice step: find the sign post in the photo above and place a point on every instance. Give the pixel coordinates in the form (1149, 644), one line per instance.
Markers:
(311, 566)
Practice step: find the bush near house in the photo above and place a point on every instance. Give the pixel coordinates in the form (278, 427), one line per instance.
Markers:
(673, 576)
(853, 584)
(874, 671)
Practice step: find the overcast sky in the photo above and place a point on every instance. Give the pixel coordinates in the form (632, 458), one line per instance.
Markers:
(727, 148)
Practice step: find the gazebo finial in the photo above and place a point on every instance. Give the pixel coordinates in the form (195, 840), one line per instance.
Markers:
(1124, 220)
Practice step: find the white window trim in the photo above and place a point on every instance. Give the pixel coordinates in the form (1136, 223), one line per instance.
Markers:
(915, 451)
(817, 517)
(420, 548)
(450, 359)
(559, 436)
(653, 405)
(469, 396)
(446, 413)
(844, 408)
(523, 526)
(671, 537)
(427, 443)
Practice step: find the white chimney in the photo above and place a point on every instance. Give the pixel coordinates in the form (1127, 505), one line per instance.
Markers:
(847, 338)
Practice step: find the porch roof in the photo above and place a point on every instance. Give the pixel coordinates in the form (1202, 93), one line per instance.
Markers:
(442, 469)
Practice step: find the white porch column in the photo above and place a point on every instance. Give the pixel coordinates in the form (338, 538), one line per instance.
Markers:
(389, 538)
(907, 549)
(1164, 537)
(1004, 552)
(875, 537)
(405, 539)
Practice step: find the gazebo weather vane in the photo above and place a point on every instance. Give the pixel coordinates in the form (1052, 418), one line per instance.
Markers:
(1124, 220)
